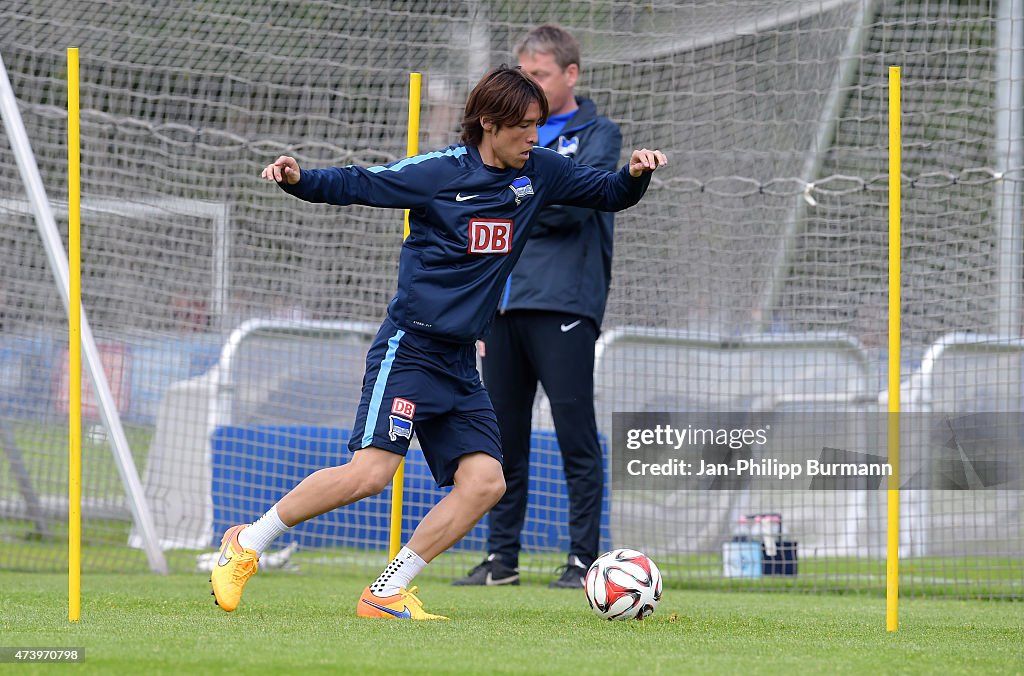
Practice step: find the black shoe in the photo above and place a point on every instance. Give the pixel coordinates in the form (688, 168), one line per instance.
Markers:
(491, 573)
(573, 574)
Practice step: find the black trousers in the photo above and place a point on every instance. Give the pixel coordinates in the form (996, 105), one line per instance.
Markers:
(557, 350)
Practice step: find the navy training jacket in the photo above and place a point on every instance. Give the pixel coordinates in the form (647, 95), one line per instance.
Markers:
(468, 224)
(567, 263)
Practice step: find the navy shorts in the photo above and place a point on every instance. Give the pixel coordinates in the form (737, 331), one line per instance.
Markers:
(416, 384)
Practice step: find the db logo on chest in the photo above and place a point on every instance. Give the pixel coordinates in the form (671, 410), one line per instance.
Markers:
(490, 236)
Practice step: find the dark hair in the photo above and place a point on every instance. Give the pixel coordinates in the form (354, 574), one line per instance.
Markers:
(553, 40)
(502, 96)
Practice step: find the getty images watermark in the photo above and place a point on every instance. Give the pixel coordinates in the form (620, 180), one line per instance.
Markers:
(709, 438)
(815, 451)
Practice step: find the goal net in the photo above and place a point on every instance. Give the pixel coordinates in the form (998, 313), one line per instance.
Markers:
(754, 273)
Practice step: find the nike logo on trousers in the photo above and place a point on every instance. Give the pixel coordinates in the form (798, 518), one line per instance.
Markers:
(569, 327)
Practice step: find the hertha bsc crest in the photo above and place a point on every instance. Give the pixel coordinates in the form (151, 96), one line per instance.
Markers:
(568, 146)
(522, 188)
(400, 427)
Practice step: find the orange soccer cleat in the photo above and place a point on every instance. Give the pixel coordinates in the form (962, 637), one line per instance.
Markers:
(401, 606)
(234, 568)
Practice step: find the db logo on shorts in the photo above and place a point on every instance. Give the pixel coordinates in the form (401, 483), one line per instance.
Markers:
(403, 407)
(490, 236)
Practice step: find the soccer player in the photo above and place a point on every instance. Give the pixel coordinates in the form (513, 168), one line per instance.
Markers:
(547, 325)
(472, 207)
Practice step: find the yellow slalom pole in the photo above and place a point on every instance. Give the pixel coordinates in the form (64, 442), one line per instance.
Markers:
(398, 484)
(74, 345)
(413, 142)
(892, 563)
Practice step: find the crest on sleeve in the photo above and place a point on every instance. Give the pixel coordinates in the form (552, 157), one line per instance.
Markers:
(521, 188)
(568, 146)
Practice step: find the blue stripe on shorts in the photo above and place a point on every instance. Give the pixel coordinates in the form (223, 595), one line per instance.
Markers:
(378, 388)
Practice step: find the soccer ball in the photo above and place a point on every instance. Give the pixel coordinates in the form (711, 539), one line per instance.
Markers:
(623, 584)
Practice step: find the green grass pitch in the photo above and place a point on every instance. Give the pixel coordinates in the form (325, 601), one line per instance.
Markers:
(305, 623)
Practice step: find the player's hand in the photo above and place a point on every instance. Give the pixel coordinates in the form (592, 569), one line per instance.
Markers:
(644, 160)
(283, 170)
(481, 349)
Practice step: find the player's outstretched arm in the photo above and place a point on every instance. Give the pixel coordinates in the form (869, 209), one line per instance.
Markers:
(644, 161)
(283, 170)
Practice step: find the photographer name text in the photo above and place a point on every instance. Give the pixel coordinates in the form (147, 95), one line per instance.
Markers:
(766, 467)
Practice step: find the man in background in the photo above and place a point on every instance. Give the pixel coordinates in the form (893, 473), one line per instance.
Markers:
(547, 324)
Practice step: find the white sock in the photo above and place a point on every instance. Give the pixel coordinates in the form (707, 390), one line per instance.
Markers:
(399, 573)
(259, 535)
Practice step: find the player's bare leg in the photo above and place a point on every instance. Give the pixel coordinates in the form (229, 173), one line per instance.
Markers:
(479, 484)
(368, 473)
